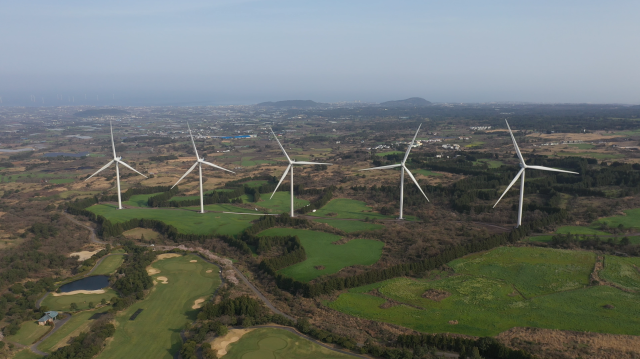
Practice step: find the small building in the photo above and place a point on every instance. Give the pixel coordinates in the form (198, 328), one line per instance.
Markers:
(49, 317)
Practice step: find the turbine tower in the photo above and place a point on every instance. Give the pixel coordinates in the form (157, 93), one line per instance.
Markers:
(118, 161)
(524, 166)
(402, 170)
(199, 162)
(290, 167)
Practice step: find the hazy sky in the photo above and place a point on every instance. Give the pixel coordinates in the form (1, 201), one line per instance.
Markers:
(250, 51)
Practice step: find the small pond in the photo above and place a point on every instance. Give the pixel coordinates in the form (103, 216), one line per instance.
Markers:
(90, 283)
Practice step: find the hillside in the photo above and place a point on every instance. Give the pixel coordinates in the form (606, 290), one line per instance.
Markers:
(410, 102)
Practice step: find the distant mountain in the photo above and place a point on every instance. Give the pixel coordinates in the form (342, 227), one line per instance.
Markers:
(410, 102)
(291, 104)
(99, 112)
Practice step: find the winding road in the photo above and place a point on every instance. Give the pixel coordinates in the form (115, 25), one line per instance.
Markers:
(58, 325)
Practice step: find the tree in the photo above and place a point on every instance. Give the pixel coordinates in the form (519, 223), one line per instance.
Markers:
(103, 301)
(475, 353)
(74, 306)
(208, 352)
(91, 305)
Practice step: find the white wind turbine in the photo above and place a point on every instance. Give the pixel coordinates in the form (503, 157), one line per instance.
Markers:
(402, 170)
(290, 167)
(199, 162)
(523, 166)
(118, 161)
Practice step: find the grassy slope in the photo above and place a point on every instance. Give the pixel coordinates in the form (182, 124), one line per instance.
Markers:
(109, 265)
(632, 219)
(79, 322)
(63, 302)
(281, 202)
(485, 303)
(350, 226)
(623, 271)
(348, 208)
(185, 221)
(155, 333)
(277, 343)
(29, 332)
(26, 354)
(139, 200)
(321, 252)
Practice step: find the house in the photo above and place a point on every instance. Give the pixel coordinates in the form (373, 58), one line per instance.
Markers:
(49, 317)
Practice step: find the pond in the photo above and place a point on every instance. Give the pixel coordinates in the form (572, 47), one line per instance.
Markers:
(90, 283)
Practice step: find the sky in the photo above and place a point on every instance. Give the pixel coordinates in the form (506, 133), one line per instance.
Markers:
(193, 52)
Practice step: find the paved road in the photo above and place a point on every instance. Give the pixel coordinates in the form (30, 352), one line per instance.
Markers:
(58, 325)
(92, 238)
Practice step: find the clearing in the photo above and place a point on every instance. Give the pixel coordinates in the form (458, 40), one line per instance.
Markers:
(62, 303)
(109, 265)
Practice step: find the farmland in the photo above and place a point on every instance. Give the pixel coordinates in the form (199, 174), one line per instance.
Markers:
(324, 257)
(497, 290)
(622, 271)
(631, 219)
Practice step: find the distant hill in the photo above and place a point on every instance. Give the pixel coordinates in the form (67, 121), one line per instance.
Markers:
(410, 102)
(292, 103)
(100, 112)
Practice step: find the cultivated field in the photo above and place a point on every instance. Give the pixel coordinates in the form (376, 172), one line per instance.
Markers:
(324, 257)
(498, 290)
(265, 343)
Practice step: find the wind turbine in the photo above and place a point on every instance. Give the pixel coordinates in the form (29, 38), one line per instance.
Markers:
(199, 163)
(402, 170)
(523, 166)
(290, 167)
(118, 161)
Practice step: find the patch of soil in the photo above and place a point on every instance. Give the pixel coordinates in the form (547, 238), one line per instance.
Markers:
(319, 267)
(453, 322)
(608, 306)
(388, 304)
(435, 294)
(513, 294)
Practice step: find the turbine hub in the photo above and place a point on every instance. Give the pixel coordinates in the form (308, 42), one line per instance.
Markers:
(522, 165)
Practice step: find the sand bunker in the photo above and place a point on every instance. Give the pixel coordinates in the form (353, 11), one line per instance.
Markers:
(193, 261)
(167, 255)
(198, 303)
(84, 255)
(164, 280)
(152, 271)
(210, 270)
(98, 291)
(220, 344)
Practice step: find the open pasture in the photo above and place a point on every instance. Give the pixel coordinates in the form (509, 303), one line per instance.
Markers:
(29, 332)
(581, 230)
(155, 332)
(596, 155)
(582, 146)
(110, 263)
(184, 220)
(425, 173)
(137, 233)
(350, 225)
(280, 203)
(348, 208)
(139, 200)
(622, 271)
(382, 154)
(265, 343)
(631, 219)
(62, 303)
(483, 296)
(490, 163)
(324, 257)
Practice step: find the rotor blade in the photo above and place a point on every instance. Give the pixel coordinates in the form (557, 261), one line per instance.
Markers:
(411, 145)
(281, 179)
(282, 148)
(131, 168)
(515, 144)
(185, 174)
(193, 142)
(543, 168)
(382, 167)
(216, 166)
(416, 182)
(102, 169)
(113, 146)
(508, 187)
(310, 163)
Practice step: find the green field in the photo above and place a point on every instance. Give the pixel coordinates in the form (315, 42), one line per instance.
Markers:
(185, 221)
(264, 343)
(62, 180)
(490, 163)
(389, 153)
(581, 230)
(79, 322)
(139, 200)
(255, 183)
(596, 155)
(63, 303)
(425, 173)
(29, 332)
(582, 146)
(322, 252)
(347, 208)
(109, 265)
(26, 354)
(280, 203)
(484, 296)
(632, 219)
(350, 225)
(155, 333)
(622, 271)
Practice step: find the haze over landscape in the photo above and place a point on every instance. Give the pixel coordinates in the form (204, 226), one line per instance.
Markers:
(246, 52)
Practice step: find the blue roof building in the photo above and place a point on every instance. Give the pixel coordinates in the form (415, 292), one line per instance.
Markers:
(49, 317)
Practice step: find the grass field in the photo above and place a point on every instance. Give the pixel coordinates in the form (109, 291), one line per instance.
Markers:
(63, 303)
(256, 183)
(79, 322)
(350, 226)
(622, 271)
(109, 265)
(491, 163)
(389, 153)
(632, 219)
(263, 343)
(62, 180)
(596, 155)
(582, 146)
(185, 221)
(26, 354)
(137, 233)
(281, 202)
(484, 300)
(138, 200)
(29, 332)
(155, 333)
(322, 252)
(581, 230)
(425, 173)
(347, 208)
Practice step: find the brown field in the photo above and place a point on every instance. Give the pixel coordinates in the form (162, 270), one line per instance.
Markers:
(137, 233)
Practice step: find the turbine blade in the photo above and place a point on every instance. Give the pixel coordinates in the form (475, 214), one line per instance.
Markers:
(185, 174)
(282, 148)
(416, 182)
(281, 179)
(193, 142)
(216, 166)
(102, 169)
(310, 163)
(411, 145)
(113, 146)
(515, 144)
(382, 167)
(131, 168)
(509, 187)
(543, 168)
